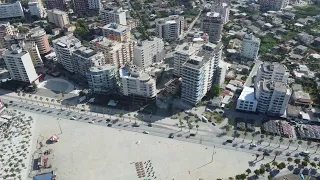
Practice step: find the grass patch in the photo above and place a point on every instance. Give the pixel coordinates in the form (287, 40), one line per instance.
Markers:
(213, 116)
(304, 11)
(267, 42)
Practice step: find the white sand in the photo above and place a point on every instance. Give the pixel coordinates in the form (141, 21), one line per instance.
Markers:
(87, 151)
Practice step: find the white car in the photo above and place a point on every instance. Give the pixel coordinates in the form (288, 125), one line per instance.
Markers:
(91, 122)
(73, 118)
(253, 145)
(145, 132)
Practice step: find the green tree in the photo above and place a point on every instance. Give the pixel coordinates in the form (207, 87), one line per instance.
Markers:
(297, 161)
(248, 171)
(271, 139)
(181, 123)
(267, 166)
(304, 163)
(290, 142)
(299, 144)
(309, 144)
(275, 163)
(257, 172)
(214, 91)
(30, 96)
(313, 164)
(289, 159)
(280, 141)
(47, 99)
(276, 153)
(197, 126)
(262, 170)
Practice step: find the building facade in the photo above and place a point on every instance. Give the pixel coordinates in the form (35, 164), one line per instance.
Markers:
(212, 24)
(64, 46)
(102, 79)
(39, 36)
(56, 4)
(134, 82)
(5, 29)
(115, 53)
(20, 66)
(36, 9)
(84, 58)
(116, 32)
(11, 10)
(273, 5)
(58, 17)
(272, 71)
(80, 6)
(222, 8)
(170, 28)
(113, 15)
(247, 100)
(148, 51)
(95, 4)
(34, 53)
(250, 47)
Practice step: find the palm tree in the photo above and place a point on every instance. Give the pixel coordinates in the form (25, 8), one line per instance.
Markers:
(59, 101)
(36, 97)
(19, 94)
(30, 96)
(129, 115)
(308, 143)
(197, 126)
(52, 101)
(68, 105)
(253, 135)
(228, 128)
(276, 153)
(280, 141)
(121, 115)
(181, 123)
(190, 125)
(24, 95)
(245, 133)
(83, 106)
(41, 98)
(102, 109)
(318, 145)
(290, 142)
(62, 95)
(47, 99)
(257, 155)
(299, 144)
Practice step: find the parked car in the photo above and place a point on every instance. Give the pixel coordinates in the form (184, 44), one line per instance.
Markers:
(192, 134)
(171, 135)
(91, 122)
(253, 145)
(214, 124)
(150, 125)
(145, 132)
(229, 141)
(109, 125)
(73, 118)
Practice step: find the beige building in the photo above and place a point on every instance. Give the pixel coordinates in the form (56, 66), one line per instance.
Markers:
(115, 53)
(39, 36)
(58, 17)
(5, 29)
(33, 50)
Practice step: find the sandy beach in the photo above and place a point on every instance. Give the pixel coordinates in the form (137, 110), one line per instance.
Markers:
(86, 151)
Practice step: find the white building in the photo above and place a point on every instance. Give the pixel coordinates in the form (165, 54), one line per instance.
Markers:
(5, 29)
(273, 97)
(11, 10)
(33, 50)
(102, 79)
(170, 28)
(247, 100)
(198, 74)
(182, 54)
(250, 47)
(116, 15)
(272, 71)
(36, 9)
(148, 51)
(83, 58)
(95, 4)
(19, 65)
(136, 83)
(115, 53)
(58, 17)
(212, 24)
(64, 47)
(222, 8)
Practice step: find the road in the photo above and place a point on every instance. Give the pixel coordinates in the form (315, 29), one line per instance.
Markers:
(205, 138)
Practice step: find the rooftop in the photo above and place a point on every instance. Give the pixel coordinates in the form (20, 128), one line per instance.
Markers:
(116, 27)
(67, 41)
(188, 48)
(247, 94)
(105, 67)
(134, 72)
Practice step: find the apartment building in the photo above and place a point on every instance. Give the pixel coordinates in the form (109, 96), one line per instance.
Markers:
(36, 9)
(64, 46)
(116, 32)
(198, 74)
(136, 83)
(39, 36)
(5, 29)
(95, 4)
(250, 47)
(182, 54)
(80, 6)
(34, 53)
(273, 5)
(247, 100)
(11, 10)
(113, 15)
(212, 24)
(148, 51)
(56, 4)
(102, 79)
(170, 28)
(84, 58)
(19, 65)
(13, 39)
(272, 71)
(115, 53)
(273, 97)
(58, 17)
(223, 8)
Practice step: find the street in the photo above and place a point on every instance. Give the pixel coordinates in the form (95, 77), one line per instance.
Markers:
(204, 138)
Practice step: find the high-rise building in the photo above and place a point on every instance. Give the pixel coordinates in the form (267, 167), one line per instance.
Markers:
(272, 71)
(115, 53)
(113, 15)
(34, 53)
(5, 29)
(182, 54)
(19, 65)
(212, 24)
(39, 36)
(170, 28)
(11, 10)
(56, 4)
(64, 46)
(273, 97)
(148, 51)
(58, 17)
(84, 58)
(273, 5)
(222, 8)
(95, 4)
(198, 73)
(116, 32)
(36, 9)
(134, 82)
(250, 47)
(102, 79)
(80, 6)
